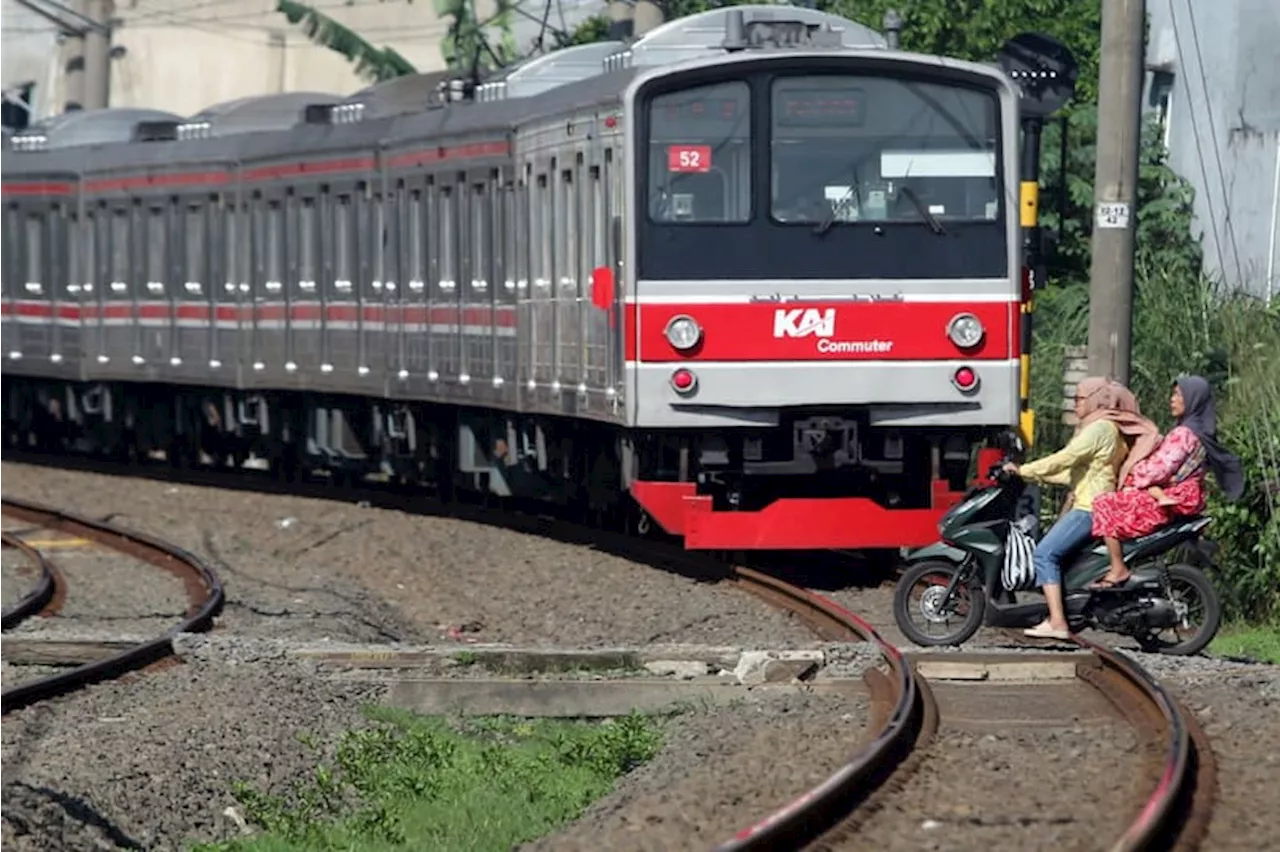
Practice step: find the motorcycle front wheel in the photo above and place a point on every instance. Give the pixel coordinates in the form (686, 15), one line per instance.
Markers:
(921, 591)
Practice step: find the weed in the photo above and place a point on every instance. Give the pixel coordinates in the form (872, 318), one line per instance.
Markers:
(412, 782)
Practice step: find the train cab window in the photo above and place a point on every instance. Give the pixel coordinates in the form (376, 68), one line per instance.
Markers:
(864, 148)
(699, 160)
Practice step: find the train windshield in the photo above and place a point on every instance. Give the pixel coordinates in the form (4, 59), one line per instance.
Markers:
(875, 149)
(700, 155)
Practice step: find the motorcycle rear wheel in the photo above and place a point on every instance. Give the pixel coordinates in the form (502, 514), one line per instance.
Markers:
(937, 575)
(1185, 578)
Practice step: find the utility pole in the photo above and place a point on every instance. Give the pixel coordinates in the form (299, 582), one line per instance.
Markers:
(1115, 188)
(97, 52)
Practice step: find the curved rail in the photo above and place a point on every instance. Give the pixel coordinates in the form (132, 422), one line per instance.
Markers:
(911, 719)
(204, 591)
(39, 597)
(1177, 811)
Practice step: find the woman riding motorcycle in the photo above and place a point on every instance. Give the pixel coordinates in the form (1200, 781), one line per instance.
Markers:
(1170, 482)
(1111, 437)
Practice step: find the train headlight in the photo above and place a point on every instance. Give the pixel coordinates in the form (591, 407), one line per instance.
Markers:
(965, 330)
(683, 333)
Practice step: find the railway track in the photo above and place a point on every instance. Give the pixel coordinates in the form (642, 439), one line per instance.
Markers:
(203, 588)
(904, 713)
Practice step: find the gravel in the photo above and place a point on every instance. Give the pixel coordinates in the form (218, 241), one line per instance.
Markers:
(147, 761)
(719, 771)
(320, 569)
(1048, 788)
(17, 577)
(110, 593)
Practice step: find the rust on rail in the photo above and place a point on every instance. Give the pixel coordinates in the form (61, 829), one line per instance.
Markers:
(203, 587)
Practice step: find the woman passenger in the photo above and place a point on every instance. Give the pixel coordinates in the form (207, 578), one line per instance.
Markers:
(1170, 482)
(1111, 436)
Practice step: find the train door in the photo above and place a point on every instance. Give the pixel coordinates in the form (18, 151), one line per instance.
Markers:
(382, 361)
(155, 320)
(413, 329)
(507, 320)
(304, 293)
(341, 340)
(195, 315)
(445, 324)
(568, 318)
(81, 259)
(368, 248)
(477, 309)
(117, 309)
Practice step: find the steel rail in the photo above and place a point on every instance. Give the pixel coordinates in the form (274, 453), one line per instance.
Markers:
(39, 597)
(1177, 809)
(814, 812)
(204, 590)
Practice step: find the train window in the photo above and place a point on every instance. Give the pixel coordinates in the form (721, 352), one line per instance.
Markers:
(859, 148)
(273, 243)
(194, 276)
(88, 239)
(120, 252)
(446, 247)
(540, 235)
(415, 273)
(35, 254)
(343, 248)
(700, 154)
(386, 216)
(481, 253)
(157, 249)
(598, 217)
(567, 237)
(306, 246)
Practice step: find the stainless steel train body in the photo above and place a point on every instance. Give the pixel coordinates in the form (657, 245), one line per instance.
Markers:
(680, 281)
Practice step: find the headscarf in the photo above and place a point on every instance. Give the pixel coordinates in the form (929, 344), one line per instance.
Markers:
(1199, 416)
(1104, 399)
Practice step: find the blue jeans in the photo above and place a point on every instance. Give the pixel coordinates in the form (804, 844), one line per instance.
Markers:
(1071, 531)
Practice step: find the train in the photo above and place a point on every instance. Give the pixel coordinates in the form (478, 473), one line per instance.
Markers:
(755, 280)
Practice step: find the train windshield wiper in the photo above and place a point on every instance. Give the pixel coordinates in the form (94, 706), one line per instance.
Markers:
(825, 225)
(929, 218)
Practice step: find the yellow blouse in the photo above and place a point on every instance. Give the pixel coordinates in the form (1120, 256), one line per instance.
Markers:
(1087, 464)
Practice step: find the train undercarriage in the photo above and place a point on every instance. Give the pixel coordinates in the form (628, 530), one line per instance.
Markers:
(822, 479)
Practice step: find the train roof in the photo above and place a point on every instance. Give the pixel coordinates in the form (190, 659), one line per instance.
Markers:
(422, 106)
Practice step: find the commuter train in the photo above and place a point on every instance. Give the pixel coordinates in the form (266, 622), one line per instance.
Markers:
(755, 278)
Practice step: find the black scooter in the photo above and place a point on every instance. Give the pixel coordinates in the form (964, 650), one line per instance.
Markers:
(964, 587)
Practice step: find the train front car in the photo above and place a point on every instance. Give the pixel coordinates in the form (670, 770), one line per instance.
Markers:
(824, 299)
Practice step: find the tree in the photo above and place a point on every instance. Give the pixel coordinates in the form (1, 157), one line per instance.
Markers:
(467, 46)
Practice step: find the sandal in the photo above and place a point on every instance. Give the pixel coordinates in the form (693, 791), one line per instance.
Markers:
(1107, 583)
(1044, 631)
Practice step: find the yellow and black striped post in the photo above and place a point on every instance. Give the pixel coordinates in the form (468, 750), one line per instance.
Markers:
(1029, 219)
(1045, 72)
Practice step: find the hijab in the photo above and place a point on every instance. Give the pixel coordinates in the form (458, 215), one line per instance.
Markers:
(1199, 416)
(1103, 399)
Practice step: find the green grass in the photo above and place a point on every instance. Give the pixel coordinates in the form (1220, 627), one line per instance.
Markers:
(415, 782)
(1254, 643)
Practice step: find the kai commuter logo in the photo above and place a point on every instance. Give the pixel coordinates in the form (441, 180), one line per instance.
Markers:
(804, 322)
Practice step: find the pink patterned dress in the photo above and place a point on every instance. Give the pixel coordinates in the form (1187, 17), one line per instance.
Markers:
(1177, 466)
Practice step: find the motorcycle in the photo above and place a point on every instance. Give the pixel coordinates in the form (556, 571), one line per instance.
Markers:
(983, 558)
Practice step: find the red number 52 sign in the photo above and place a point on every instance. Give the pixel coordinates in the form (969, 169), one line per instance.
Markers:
(689, 158)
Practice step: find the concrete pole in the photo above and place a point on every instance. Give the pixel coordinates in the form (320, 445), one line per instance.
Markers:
(97, 53)
(1115, 188)
(648, 15)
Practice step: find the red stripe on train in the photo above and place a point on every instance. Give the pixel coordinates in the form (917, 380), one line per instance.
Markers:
(437, 154)
(823, 331)
(502, 317)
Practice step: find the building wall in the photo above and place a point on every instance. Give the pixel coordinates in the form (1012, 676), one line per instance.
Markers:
(29, 52)
(1215, 69)
(185, 55)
